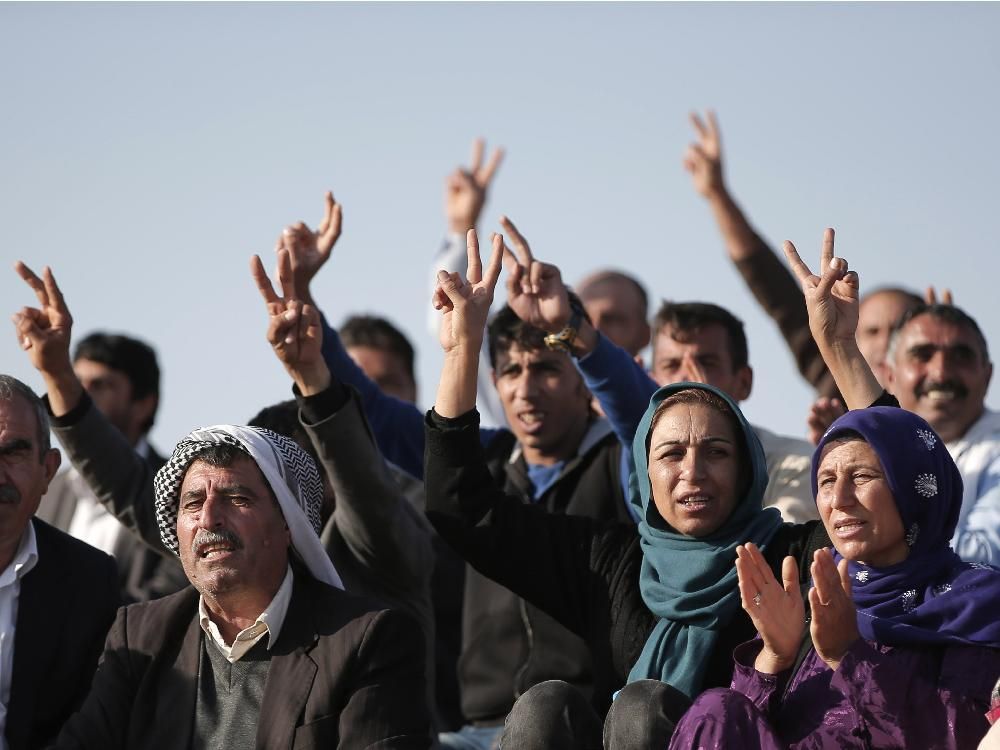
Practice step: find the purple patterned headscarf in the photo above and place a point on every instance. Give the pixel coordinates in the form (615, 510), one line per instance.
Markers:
(932, 597)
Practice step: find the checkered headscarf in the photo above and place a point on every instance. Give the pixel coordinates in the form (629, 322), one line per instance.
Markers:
(289, 470)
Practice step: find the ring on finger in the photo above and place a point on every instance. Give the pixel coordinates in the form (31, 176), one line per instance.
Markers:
(756, 599)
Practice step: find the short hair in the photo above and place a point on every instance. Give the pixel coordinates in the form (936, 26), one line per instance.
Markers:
(506, 329)
(945, 313)
(135, 358)
(600, 277)
(378, 333)
(11, 387)
(692, 316)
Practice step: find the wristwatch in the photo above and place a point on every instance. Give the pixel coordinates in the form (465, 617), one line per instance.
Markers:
(563, 341)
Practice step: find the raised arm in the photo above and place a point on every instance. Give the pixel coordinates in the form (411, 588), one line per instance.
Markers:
(763, 272)
(371, 514)
(832, 302)
(120, 479)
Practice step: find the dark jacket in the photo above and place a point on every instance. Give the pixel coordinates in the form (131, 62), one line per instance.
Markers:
(584, 573)
(343, 674)
(66, 605)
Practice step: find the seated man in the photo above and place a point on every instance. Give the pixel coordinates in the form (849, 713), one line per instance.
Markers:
(122, 377)
(705, 343)
(57, 595)
(266, 649)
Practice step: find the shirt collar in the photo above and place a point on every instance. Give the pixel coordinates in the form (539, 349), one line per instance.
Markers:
(24, 559)
(272, 619)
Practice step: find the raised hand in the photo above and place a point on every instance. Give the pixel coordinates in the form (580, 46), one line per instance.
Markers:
(831, 297)
(823, 413)
(44, 332)
(931, 297)
(834, 626)
(294, 329)
(465, 303)
(535, 290)
(465, 189)
(309, 250)
(703, 159)
(776, 609)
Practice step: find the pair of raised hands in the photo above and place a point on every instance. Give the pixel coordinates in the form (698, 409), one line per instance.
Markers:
(778, 612)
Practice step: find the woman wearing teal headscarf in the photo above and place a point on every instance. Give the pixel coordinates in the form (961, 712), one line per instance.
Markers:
(659, 609)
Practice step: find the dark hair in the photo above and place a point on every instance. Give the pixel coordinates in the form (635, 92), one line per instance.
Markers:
(945, 313)
(689, 317)
(221, 454)
(11, 387)
(506, 329)
(378, 333)
(136, 359)
(602, 277)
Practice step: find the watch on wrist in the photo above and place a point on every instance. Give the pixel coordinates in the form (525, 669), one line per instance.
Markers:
(563, 340)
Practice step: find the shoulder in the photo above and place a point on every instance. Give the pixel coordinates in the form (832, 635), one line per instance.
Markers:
(779, 448)
(149, 622)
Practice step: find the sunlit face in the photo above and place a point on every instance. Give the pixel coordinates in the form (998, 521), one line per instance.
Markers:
(25, 473)
(545, 401)
(938, 371)
(616, 310)
(857, 507)
(694, 468)
(708, 347)
(387, 369)
(111, 392)
(878, 315)
(232, 535)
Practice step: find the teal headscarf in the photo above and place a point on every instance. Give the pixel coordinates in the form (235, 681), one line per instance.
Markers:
(691, 584)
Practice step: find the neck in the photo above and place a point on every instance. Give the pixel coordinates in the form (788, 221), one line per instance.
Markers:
(566, 449)
(8, 548)
(234, 612)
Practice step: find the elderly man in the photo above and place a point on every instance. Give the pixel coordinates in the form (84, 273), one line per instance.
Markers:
(57, 595)
(266, 650)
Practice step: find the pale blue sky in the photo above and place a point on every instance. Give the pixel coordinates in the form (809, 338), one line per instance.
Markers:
(149, 150)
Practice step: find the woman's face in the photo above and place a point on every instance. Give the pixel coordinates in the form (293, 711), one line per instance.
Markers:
(694, 468)
(857, 506)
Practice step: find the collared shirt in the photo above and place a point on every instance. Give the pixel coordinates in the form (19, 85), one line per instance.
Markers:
(23, 561)
(269, 621)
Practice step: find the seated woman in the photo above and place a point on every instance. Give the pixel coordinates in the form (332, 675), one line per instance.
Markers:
(905, 638)
(660, 609)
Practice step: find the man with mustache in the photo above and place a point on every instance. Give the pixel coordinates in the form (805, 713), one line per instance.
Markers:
(57, 595)
(939, 367)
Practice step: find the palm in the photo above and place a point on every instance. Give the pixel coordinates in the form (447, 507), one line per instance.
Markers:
(465, 303)
(47, 328)
(309, 250)
(831, 297)
(776, 609)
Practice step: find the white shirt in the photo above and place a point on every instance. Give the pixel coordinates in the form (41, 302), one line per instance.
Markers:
(977, 454)
(789, 476)
(269, 621)
(24, 560)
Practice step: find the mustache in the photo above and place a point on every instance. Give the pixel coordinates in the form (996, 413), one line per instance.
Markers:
(9, 494)
(943, 385)
(204, 537)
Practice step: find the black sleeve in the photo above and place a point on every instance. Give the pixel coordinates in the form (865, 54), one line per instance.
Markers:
(548, 559)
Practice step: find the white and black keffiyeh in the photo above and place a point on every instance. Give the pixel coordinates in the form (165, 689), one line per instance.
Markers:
(289, 470)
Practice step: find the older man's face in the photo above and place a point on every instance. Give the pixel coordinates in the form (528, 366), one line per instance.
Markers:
(232, 535)
(25, 472)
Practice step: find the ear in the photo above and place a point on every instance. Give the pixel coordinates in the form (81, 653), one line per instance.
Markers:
(143, 410)
(51, 461)
(744, 383)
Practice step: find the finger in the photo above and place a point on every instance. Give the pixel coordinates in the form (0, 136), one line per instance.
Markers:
(799, 268)
(946, 298)
(309, 325)
(538, 272)
(27, 326)
(495, 262)
(826, 251)
(54, 293)
(285, 277)
(332, 232)
(930, 296)
(328, 205)
(262, 281)
(449, 284)
(294, 317)
(752, 570)
(515, 273)
(517, 239)
(486, 175)
(477, 155)
(33, 281)
(835, 271)
(821, 576)
(696, 155)
(699, 126)
(279, 326)
(713, 125)
(474, 273)
(790, 576)
(845, 578)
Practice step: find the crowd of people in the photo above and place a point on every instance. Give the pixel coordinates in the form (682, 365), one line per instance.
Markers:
(574, 548)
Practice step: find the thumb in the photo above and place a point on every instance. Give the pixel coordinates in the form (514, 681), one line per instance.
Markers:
(449, 284)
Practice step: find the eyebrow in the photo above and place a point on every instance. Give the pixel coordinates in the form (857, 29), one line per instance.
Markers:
(15, 445)
(226, 489)
(709, 439)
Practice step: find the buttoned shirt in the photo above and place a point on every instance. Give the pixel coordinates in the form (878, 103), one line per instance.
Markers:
(23, 561)
(268, 623)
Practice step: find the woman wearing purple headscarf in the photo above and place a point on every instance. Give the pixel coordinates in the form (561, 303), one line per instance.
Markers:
(905, 637)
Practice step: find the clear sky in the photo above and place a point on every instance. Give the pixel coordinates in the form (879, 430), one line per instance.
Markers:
(146, 151)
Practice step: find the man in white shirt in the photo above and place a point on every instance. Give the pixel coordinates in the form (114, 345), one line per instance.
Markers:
(57, 595)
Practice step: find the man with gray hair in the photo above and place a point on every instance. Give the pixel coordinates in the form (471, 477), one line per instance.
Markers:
(46, 659)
